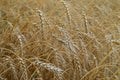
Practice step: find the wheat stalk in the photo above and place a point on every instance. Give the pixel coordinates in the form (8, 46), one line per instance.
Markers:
(11, 64)
(67, 10)
(22, 39)
(23, 69)
(59, 58)
(86, 22)
(68, 42)
(49, 67)
(42, 22)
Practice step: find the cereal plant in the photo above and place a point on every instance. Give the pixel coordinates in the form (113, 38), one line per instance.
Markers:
(59, 39)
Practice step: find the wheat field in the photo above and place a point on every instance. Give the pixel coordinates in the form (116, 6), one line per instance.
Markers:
(59, 39)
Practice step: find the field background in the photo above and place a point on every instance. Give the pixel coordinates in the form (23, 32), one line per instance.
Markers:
(59, 39)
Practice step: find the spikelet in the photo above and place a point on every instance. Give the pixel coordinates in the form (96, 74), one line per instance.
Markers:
(68, 41)
(39, 77)
(49, 67)
(23, 69)
(117, 42)
(59, 58)
(1, 78)
(22, 39)
(59, 39)
(42, 22)
(79, 65)
(67, 10)
(90, 38)
(85, 22)
(11, 64)
(85, 54)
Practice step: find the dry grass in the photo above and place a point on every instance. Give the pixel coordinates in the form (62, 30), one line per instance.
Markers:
(60, 40)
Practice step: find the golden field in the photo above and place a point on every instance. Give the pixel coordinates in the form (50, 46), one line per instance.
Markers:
(59, 39)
